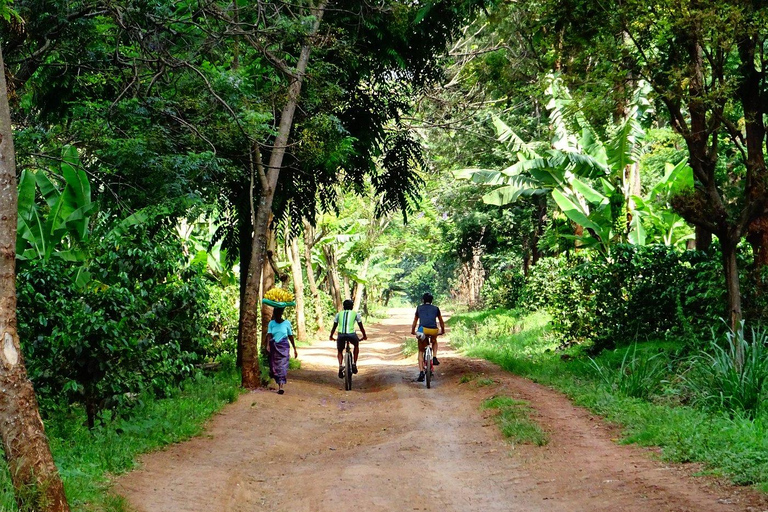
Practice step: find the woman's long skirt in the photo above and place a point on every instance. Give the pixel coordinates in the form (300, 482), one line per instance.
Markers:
(279, 355)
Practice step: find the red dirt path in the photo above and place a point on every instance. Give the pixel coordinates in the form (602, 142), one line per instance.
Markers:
(391, 445)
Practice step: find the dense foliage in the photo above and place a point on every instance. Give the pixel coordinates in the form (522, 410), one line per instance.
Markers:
(141, 324)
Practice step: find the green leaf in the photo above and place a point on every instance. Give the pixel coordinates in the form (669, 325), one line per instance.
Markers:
(573, 210)
(591, 195)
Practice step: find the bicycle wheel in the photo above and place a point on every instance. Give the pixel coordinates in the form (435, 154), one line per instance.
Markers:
(348, 370)
(428, 366)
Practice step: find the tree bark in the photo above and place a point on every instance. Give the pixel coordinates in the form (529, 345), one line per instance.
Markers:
(35, 478)
(541, 221)
(298, 290)
(333, 276)
(268, 179)
(360, 286)
(267, 283)
(309, 242)
(732, 285)
(347, 289)
(703, 239)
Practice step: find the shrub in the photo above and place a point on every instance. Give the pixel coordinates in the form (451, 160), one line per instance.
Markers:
(503, 289)
(637, 292)
(139, 325)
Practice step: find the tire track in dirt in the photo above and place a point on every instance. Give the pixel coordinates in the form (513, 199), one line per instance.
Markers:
(391, 444)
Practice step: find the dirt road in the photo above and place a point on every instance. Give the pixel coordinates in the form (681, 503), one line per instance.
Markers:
(390, 445)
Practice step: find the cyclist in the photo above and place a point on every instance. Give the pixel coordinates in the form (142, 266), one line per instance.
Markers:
(427, 316)
(345, 321)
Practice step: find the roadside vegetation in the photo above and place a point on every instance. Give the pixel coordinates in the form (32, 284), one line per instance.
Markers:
(659, 392)
(89, 458)
(594, 195)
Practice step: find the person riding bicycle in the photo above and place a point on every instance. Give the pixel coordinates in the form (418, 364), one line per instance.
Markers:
(345, 321)
(427, 316)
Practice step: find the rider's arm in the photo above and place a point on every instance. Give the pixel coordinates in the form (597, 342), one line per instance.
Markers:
(362, 330)
(442, 324)
(415, 321)
(333, 330)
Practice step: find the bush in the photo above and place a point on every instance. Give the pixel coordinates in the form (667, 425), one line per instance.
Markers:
(503, 289)
(140, 325)
(636, 293)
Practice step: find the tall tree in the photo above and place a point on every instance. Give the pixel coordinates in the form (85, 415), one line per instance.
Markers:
(268, 178)
(34, 474)
(705, 62)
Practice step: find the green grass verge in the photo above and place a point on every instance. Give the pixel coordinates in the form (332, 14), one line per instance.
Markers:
(514, 420)
(86, 458)
(410, 346)
(727, 445)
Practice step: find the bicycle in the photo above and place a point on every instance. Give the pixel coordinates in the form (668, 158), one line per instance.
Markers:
(348, 361)
(428, 363)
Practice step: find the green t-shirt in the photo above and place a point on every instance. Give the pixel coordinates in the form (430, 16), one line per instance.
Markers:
(346, 320)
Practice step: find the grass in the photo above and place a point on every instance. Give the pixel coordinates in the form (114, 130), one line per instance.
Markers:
(514, 420)
(410, 346)
(86, 459)
(728, 444)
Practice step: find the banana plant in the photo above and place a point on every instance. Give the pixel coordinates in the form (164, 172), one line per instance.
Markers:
(571, 168)
(653, 215)
(61, 227)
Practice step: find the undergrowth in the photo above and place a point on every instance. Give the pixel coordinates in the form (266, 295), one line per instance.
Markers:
(87, 458)
(644, 388)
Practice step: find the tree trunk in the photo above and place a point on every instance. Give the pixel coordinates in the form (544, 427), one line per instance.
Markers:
(347, 289)
(298, 290)
(360, 286)
(733, 288)
(244, 226)
(333, 276)
(35, 478)
(757, 236)
(267, 283)
(541, 220)
(268, 178)
(703, 239)
(308, 244)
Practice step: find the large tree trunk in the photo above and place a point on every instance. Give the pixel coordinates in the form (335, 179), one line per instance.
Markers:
(35, 478)
(298, 289)
(268, 178)
(308, 244)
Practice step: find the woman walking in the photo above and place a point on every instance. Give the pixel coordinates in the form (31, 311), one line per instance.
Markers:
(279, 333)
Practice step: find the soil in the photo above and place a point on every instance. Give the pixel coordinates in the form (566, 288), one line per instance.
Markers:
(390, 444)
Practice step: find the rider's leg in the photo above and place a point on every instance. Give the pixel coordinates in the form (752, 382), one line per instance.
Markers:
(356, 352)
(434, 351)
(340, 356)
(421, 360)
